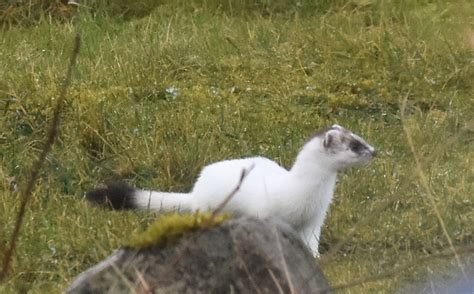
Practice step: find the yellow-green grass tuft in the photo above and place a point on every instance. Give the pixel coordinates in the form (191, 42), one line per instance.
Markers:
(168, 228)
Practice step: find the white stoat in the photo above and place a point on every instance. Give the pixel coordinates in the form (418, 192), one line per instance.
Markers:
(300, 196)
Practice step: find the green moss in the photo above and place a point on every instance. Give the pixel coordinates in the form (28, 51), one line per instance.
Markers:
(168, 228)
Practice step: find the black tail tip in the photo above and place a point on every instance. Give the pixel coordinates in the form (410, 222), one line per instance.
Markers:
(117, 196)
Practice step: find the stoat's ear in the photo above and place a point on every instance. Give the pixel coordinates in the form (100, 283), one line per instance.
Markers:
(327, 140)
(331, 137)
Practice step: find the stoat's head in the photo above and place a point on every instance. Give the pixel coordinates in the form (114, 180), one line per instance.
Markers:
(338, 148)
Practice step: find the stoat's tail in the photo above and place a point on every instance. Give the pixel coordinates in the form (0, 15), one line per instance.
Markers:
(122, 196)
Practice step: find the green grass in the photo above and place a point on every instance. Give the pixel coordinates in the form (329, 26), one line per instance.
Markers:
(250, 80)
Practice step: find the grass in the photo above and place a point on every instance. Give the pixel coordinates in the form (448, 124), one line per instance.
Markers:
(156, 97)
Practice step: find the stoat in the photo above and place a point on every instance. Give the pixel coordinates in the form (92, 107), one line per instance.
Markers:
(300, 196)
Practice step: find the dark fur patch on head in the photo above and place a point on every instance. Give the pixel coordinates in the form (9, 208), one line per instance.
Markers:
(320, 132)
(356, 146)
(114, 196)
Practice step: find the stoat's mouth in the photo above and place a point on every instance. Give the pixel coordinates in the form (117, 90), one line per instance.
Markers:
(369, 154)
(366, 158)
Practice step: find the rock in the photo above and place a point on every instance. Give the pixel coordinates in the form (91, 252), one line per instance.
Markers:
(453, 277)
(243, 255)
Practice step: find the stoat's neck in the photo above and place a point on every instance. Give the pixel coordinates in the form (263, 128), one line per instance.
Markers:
(313, 169)
(311, 183)
(313, 161)
(312, 173)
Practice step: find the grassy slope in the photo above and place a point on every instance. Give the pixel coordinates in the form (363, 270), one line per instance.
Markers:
(247, 83)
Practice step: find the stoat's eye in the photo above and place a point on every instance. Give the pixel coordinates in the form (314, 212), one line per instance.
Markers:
(356, 146)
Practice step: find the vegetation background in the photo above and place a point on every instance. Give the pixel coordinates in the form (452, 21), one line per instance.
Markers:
(163, 88)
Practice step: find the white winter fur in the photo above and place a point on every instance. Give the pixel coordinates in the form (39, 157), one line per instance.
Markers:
(300, 196)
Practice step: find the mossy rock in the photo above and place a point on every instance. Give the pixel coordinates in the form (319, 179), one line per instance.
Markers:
(241, 255)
